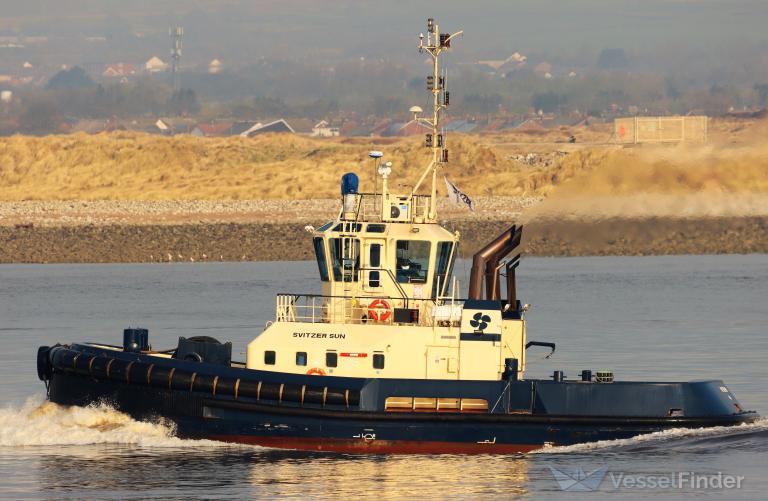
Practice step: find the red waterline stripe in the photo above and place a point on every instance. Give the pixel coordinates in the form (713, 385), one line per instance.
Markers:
(359, 446)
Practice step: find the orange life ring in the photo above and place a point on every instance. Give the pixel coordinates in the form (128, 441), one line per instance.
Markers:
(379, 310)
(314, 371)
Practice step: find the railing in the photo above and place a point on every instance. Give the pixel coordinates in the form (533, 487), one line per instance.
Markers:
(312, 308)
(368, 207)
(420, 206)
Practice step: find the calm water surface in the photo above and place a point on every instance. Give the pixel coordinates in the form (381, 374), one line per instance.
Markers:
(658, 318)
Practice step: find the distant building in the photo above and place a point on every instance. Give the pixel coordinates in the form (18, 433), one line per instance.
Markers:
(543, 69)
(515, 60)
(672, 129)
(460, 125)
(277, 126)
(304, 126)
(380, 128)
(93, 126)
(411, 128)
(214, 67)
(155, 65)
(6, 96)
(164, 127)
(118, 70)
(212, 129)
(324, 129)
(242, 126)
(530, 125)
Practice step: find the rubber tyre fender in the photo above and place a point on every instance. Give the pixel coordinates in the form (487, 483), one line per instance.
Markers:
(44, 367)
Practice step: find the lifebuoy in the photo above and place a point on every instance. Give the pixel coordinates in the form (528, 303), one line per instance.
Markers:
(314, 371)
(379, 310)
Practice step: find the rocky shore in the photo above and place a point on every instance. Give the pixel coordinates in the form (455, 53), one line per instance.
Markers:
(137, 212)
(250, 241)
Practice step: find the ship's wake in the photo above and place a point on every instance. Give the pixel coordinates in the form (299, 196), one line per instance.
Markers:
(678, 438)
(38, 422)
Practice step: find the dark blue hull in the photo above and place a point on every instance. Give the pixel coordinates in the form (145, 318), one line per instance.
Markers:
(526, 415)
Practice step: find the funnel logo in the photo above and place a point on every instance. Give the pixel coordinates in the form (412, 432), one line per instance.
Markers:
(578, 481)
(479, 321)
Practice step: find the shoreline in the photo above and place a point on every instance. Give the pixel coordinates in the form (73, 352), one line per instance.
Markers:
(287, 240)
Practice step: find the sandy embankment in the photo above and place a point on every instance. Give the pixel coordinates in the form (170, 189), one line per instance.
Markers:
(112, 195)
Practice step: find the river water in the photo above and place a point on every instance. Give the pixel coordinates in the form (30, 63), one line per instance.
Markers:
(657, 318)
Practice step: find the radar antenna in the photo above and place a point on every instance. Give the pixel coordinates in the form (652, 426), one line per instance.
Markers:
(434, 44)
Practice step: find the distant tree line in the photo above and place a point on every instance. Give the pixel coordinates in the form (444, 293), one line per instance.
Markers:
(72, 94)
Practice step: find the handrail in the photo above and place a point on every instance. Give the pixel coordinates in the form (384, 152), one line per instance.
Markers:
(327, 296)
(343, 309)
(400, 289)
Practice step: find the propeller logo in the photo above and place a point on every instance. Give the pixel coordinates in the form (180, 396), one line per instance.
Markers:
(480, 321)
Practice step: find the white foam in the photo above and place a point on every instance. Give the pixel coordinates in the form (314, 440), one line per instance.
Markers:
(38, 422)
(659, 436)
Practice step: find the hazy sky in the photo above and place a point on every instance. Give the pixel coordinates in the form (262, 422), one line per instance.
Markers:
(493, 27)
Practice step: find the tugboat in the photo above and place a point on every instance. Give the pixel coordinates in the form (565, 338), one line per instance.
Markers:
(388, 358)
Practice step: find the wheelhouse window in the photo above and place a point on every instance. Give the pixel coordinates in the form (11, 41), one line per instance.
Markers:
(443, 266)
(322, 262)
(376, 228)
(412, 261)
(345, 258)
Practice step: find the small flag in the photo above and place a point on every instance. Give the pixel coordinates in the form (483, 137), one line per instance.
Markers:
(457, 196)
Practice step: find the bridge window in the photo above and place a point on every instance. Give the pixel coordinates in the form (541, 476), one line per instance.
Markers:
(348, 227)
(301, 358)
(269, 357)
(412, 261)
(444, 266)
(376, 228)
(322, 263)
(345, 258)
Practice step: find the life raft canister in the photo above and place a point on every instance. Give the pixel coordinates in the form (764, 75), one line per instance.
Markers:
(314, 371)
(379, 310)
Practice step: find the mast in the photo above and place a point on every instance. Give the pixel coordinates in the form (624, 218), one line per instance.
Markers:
(434, 45)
